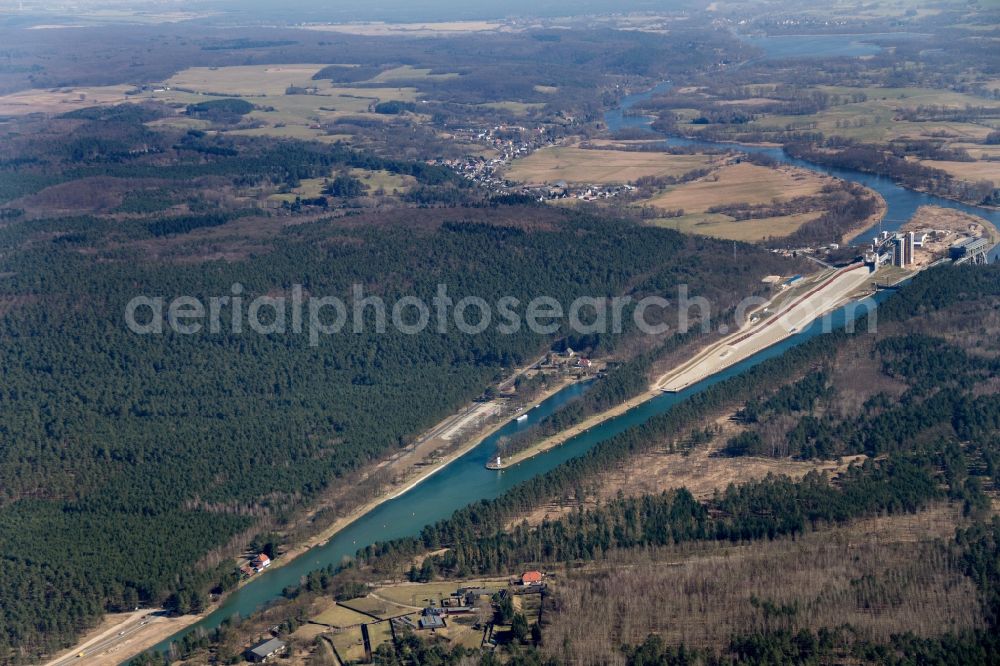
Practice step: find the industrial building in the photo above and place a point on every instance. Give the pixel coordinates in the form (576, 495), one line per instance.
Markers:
(901, 248)
(894, 248)
(970, 250)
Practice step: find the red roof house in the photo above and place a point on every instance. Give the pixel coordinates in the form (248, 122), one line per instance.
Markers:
(531, 578)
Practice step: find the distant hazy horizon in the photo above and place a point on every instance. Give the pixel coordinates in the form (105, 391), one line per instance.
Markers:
(355, 10)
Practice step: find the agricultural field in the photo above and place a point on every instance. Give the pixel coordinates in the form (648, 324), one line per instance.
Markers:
(246, 81)
(748, 231)
(379, 633)
(382, 180)
(350, 646)
(276, 113)
(419, 595)
(61, 100)
(410, 73)
(378, 182)
(339, 616)
(970, 171)
(582, 165)
(978, 151)
(741, 183)
(377, 606)
(876, 118)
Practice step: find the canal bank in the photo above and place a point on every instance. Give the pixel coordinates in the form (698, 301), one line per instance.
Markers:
(466, 479)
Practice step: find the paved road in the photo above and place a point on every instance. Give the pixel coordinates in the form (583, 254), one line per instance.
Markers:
(446, 425)
(102, 645)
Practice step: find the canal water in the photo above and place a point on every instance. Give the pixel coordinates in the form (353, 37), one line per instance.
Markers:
(467, 480)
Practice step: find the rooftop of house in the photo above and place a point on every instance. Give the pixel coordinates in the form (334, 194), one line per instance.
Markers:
(268, 647)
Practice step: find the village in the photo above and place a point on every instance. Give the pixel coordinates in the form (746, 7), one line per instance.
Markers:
(482, 614)
(511, 142)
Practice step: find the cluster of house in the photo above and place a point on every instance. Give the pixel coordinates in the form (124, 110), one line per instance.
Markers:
(255, 565)
(464, 600)
(562, 190)
(486, 172)
(568, 358)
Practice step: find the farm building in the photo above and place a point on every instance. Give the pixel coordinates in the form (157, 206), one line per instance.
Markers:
(265, 650)
(431, 621)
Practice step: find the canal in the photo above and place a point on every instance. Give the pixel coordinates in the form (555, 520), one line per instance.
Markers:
(464, 481)
(467, 480)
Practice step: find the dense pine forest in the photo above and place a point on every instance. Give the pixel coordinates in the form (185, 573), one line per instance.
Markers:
(942, 454)
(183, 446)
(832, 499)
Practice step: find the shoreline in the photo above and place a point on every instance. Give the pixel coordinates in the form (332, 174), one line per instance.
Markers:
(323, 537)
(404, 486)
(653, 391)
(871, 221)
(563, 436)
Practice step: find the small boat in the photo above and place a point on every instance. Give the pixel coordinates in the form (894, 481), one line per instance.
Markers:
(522, 417)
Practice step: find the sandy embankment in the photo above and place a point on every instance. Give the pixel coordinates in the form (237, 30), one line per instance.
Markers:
(413, 475)
(833, 291)
(100, 648)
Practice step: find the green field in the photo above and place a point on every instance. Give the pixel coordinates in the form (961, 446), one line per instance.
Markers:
(339, 616)
(725, 227)
(409, 73)
(875, 118)
(422, 594)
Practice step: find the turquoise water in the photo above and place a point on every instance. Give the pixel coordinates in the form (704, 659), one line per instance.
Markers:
(467, 480)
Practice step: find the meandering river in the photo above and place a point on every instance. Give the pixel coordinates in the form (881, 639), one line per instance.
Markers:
(466, 479)
(902, 203)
